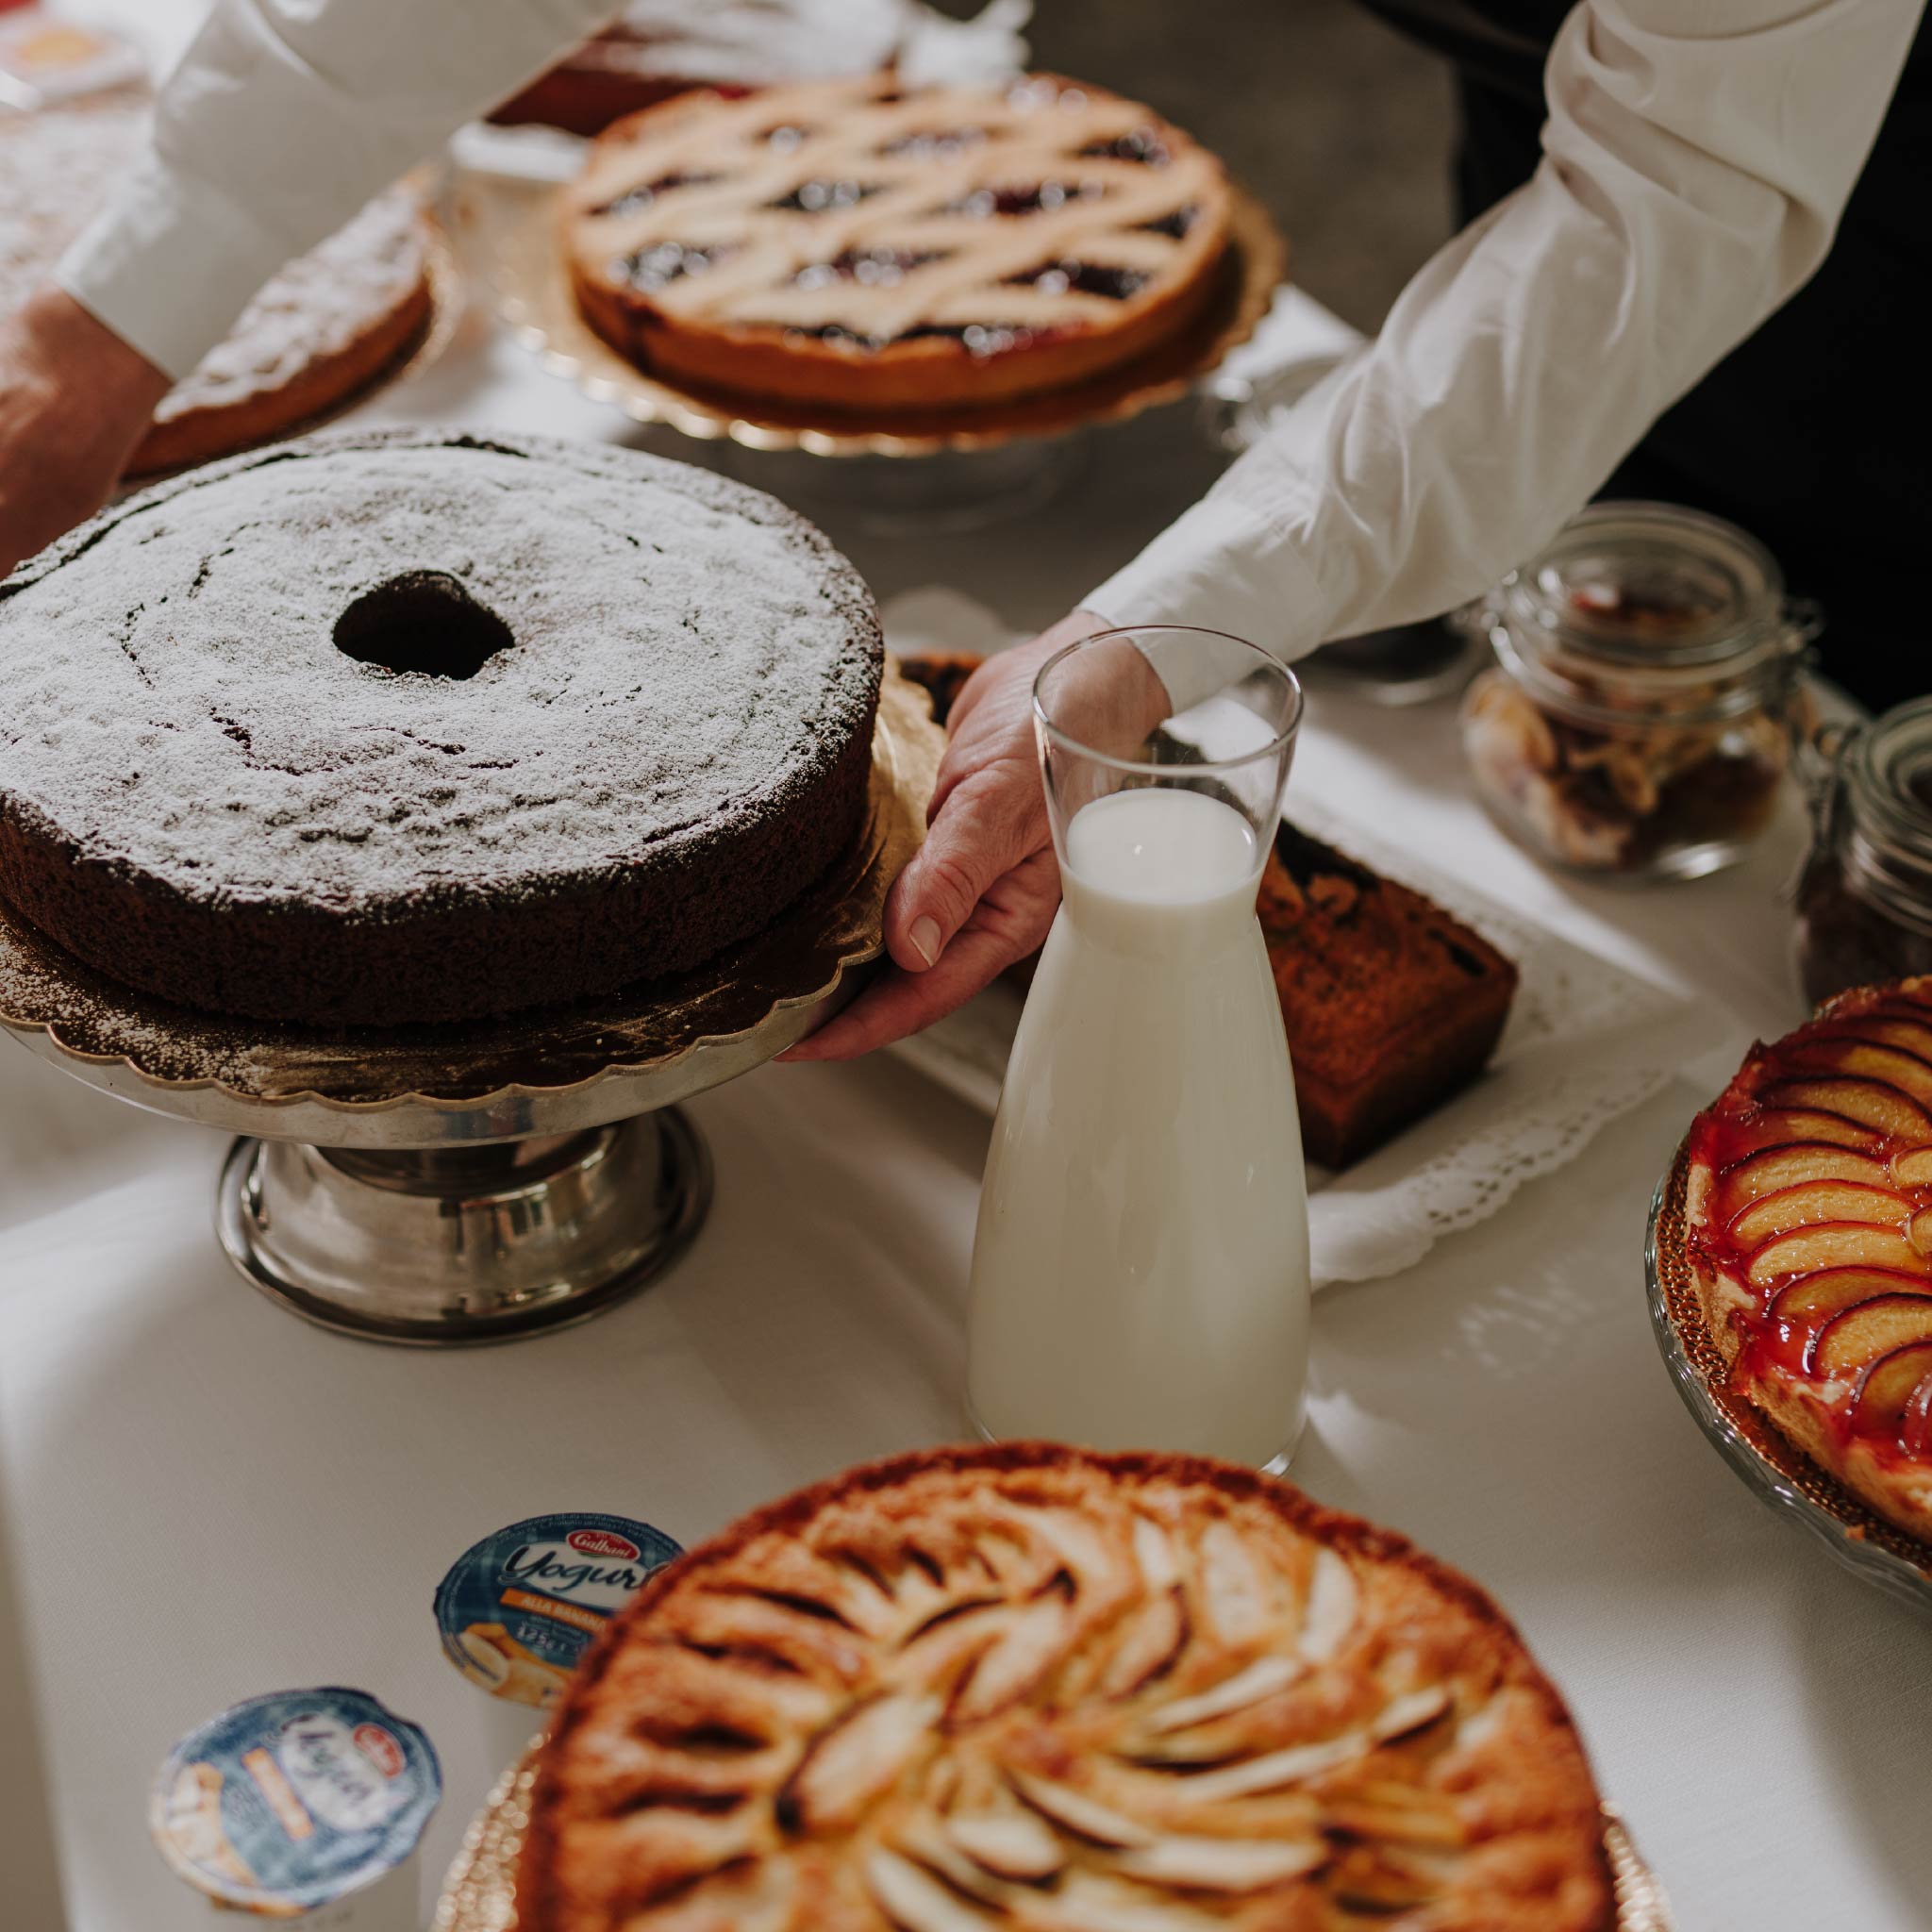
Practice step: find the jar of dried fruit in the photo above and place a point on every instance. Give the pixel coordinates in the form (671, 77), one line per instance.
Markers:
(1865, 894)
(1639, 716)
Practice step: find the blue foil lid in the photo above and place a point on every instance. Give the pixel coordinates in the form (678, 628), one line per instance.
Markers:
(295, 1799)
(517, 1610)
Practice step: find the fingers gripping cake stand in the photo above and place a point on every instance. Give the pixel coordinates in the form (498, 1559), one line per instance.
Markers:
(441, 1186)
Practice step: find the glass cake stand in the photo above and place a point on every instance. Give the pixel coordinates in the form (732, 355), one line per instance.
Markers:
(1777, 1472)
(452, 1185)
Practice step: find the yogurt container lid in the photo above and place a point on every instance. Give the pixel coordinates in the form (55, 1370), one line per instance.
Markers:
(518, 1609)
(293, 1800)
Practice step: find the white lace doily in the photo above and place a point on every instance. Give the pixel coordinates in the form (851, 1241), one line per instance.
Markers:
(1586, 1043)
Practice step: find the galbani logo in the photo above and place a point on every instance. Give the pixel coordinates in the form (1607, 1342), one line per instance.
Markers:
(380, 1748)
(591, 1567)
(604, 1543)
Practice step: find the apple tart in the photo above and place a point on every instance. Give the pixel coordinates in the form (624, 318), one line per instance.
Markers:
(1036, 1688)
(859, 244)
(1809, 1232)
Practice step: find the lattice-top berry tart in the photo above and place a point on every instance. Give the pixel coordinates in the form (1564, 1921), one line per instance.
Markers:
(1034, 1687)
(1809, 1217)
(856, 246)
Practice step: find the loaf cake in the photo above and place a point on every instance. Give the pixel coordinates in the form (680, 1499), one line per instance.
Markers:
(326, 327)
(1391, 1005)
(407, 725)
(857, 244)
(1041, 1689)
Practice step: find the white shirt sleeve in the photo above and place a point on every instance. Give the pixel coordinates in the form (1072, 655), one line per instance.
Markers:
(282, 119)
(1696, 160)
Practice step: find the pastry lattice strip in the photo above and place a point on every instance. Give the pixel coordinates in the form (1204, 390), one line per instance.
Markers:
(941, 263)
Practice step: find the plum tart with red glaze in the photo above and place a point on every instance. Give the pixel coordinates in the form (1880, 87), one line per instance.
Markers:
(1037, 1689)
(1809, 1217)
(855, 244)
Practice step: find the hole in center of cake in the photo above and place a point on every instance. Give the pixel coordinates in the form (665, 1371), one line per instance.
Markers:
(422, 621)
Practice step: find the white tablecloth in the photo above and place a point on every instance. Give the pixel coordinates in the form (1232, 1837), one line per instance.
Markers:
(201, 1498)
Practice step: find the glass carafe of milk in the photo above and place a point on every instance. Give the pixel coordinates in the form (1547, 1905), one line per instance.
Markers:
(1141, 1273)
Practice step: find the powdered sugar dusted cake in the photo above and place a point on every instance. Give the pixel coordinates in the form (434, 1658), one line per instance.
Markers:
(330, 321)
(408, 726)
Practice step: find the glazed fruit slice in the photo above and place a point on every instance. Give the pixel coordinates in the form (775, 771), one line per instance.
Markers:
(1864, 1103)
(1865, 1059)
(1889, 1385)
(1809, 1236)
(1835, 1244)
(1862, 1335)
(1818, 1201)
(1911, 1036)
(1915, 1426)
(1812, 1299)
(1789, 1165)
(1788, 1124)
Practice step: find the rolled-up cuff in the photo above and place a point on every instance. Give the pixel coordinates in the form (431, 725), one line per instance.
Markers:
(170, 265)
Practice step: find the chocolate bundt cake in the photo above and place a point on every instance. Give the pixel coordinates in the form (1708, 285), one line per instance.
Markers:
(408, 725)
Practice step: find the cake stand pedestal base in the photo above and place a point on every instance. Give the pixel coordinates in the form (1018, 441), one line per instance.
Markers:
(456, 1247)
(484, 1180)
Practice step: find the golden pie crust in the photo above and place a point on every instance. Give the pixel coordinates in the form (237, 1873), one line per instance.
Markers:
(1809, 1234)
(1036, 1688)
(854, 244)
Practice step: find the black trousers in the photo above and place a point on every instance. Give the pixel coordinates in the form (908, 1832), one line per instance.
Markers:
(1816, 433)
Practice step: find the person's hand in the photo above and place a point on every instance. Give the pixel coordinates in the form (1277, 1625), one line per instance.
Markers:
(982, 890)
(75, 400)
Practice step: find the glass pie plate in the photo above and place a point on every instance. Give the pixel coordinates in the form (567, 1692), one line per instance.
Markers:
(480, 1894)
(1773, 1468)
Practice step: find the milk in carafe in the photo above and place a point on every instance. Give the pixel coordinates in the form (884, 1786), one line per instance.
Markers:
(1141, 1273)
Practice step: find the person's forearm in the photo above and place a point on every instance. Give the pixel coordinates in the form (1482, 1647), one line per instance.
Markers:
(1698, 156)
(283, 118)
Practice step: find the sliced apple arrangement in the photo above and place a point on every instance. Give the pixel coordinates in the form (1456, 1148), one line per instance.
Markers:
(1092, 1695)
(1810, 1225)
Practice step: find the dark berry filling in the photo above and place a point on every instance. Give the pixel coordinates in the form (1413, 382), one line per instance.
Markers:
(1083, 278)
(878, 266)
(666, 262)
(1177, 223)
(638, 199)
(977, 337)
(838, 332)
(980, 337)
(825, 197)
(1143, 145)
(1044, 198)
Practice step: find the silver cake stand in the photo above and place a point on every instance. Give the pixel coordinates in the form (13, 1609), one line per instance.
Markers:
(452, 1185)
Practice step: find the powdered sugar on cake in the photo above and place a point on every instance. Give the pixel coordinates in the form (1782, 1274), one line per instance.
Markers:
(317, 305)
(181, 708)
